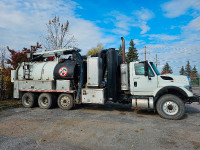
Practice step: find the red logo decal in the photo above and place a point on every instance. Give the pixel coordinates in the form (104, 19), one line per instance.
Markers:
(63, 71)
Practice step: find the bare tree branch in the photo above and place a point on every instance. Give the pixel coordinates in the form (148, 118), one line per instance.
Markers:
(58, 35)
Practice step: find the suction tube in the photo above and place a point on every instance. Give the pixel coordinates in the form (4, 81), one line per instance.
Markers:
(81, 79)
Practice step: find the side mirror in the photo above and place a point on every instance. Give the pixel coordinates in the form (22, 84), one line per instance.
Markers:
(146, 68)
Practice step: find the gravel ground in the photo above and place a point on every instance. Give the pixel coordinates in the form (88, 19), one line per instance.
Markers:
(112, 126)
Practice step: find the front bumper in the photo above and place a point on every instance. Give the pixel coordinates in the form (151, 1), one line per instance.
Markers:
(194, 98)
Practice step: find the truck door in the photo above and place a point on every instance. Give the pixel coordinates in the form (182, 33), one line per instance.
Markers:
(141, 84)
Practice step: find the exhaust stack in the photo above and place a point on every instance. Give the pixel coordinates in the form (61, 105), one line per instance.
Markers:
(123, 49)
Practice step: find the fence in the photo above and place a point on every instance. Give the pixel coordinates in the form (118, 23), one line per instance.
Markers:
(195, 83)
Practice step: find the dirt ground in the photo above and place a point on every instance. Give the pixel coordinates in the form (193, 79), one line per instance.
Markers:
(112, 126)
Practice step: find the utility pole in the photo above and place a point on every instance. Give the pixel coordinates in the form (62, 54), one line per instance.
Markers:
(156, 60)
(145, 53)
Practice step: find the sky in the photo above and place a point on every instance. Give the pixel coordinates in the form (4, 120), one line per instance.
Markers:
(168, 28)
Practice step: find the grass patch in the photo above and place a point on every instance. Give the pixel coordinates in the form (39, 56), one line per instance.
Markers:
(10, 104)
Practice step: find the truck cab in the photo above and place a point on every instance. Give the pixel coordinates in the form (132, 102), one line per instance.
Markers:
(165, 93)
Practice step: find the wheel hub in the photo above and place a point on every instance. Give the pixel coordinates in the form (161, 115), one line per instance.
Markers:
(27, 101)
(65, 101)
(45, 101)
(170, 108)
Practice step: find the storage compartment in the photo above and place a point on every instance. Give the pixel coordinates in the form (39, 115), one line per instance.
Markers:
(36, 85)
(63, 85)
(16, 89)
(13, 75)
(93, 96)
(94, 71)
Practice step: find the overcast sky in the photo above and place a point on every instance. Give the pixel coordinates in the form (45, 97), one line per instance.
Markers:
(170, 29)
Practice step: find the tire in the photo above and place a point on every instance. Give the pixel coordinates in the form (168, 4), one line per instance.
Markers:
(170, 107)
(65, 101)
(28, 100)
(45, 100)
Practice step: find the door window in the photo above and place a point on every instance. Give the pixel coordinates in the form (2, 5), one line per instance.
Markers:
(139, 70)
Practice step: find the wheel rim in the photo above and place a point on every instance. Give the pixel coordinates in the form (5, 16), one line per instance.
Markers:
(27, 101)
(65, 101)
(170, 108)
(44, 101)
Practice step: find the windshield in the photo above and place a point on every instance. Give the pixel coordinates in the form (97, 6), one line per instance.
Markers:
(154, 68)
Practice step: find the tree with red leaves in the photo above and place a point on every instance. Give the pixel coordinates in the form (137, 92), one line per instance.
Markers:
(16, 57)
(20, 56)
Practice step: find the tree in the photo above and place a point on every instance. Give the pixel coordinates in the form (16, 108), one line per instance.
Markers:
(96, 49)
(120, 50)
(20, 56)
(182, 71)
(194, 72)
(2, 73)
(188, 69)
(132, 53)
(167, 69)
(58, 35)
(15, 58)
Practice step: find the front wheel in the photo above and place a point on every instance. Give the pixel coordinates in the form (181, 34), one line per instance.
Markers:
(170, 107)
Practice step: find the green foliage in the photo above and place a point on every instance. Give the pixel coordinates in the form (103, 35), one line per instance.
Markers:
(132, 54)
(194, 72)
(188, 69)
(96, 49)
(167, 69)
(120, 50)
(182, 71)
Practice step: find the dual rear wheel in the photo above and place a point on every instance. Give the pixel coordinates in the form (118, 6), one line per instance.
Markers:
(45, 100)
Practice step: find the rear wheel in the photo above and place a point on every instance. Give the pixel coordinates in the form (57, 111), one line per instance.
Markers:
(45, 100)
(170, 107)
(28, 100)
(65, 101)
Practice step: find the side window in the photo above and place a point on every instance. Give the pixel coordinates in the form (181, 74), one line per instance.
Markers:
(139, 69)
(151, 74)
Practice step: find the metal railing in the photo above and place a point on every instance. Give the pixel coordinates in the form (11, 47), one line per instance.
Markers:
(195, 83)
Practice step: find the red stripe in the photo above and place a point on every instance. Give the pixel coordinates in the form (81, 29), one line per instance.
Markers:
(54, 90)
(68, 91)
(36, 90)
(42, 90)
(30, 90)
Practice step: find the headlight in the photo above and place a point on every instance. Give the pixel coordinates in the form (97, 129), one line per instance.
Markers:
(189, 88)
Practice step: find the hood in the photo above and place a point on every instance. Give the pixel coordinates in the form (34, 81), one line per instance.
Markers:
(176, 78)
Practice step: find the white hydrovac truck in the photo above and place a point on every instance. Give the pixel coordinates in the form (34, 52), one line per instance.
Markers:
(72, 79)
